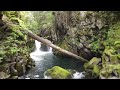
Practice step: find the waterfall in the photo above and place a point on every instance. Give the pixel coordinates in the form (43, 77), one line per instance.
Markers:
(40, 51)
(37, 45)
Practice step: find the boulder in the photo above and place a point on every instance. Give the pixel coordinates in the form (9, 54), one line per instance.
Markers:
(57, 72)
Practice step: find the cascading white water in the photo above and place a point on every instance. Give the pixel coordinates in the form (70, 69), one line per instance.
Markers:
(78, 75)
(37, 54)
(38, 45)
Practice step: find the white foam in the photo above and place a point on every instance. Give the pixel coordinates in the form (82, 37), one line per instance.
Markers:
(36, 76)
(78, 75)
(38, 55)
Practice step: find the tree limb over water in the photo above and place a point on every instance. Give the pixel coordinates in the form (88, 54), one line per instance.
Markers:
(49, 43)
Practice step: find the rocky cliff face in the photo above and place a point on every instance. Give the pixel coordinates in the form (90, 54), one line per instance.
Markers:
(82, 32)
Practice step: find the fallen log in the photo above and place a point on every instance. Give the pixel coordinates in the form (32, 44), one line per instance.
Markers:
(49, 43)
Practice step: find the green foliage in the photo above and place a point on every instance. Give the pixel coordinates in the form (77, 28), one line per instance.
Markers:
(11, 14)
(109, 69)
(44, 19)
(111, 55)
(113, 34)
(14, 40)
(13, 50)
(92, 62)
(24, 19)
(95, 46)
(96, 69)
(29, 20)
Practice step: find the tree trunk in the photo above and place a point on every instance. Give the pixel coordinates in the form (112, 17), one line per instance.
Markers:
(49, 43)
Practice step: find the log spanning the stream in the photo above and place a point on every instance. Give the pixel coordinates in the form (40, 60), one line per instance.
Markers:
(49, 43)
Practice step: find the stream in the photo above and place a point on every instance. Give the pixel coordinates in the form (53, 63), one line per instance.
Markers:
(45, 59)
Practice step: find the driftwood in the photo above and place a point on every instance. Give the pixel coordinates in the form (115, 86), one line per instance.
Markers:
(49, 43)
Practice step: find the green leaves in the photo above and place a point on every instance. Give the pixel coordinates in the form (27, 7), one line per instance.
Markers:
(13, 50)
(95, 46)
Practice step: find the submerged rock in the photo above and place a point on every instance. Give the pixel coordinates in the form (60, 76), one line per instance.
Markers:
(57, 73)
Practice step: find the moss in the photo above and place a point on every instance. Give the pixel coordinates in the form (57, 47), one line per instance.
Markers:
(58, 73)
(104, 73)
(12, 44)
(109, 51)
(92, 62)
(114, 59)
(85, 65)
(63, 45)
(110, 69)
(96, 69)
(93, 65)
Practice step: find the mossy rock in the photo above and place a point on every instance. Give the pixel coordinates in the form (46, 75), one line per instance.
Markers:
(104, 73)
(110, 56)
(114, 59)
(110, 69)
(96, 69)
(92, 62)
(109, 51)
(93, 65)
(58, 73)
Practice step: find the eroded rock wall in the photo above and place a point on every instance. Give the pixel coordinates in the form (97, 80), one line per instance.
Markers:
(82, 32)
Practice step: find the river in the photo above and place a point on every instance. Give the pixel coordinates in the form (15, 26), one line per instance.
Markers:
(45, 59)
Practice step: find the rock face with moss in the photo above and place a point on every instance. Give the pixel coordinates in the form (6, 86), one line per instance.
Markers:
(109, 66)
(14, 49)
(82, 32)
(93, 35)
(57, 72)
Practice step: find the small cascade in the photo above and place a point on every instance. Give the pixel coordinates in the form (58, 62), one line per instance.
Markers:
(40, 50)
(37, 45)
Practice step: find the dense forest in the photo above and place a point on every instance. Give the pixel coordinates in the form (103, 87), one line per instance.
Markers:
(91, 35)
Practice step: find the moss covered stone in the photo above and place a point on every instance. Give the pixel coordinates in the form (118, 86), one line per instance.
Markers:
(96, 69)
(58, 73)
(92, 62)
